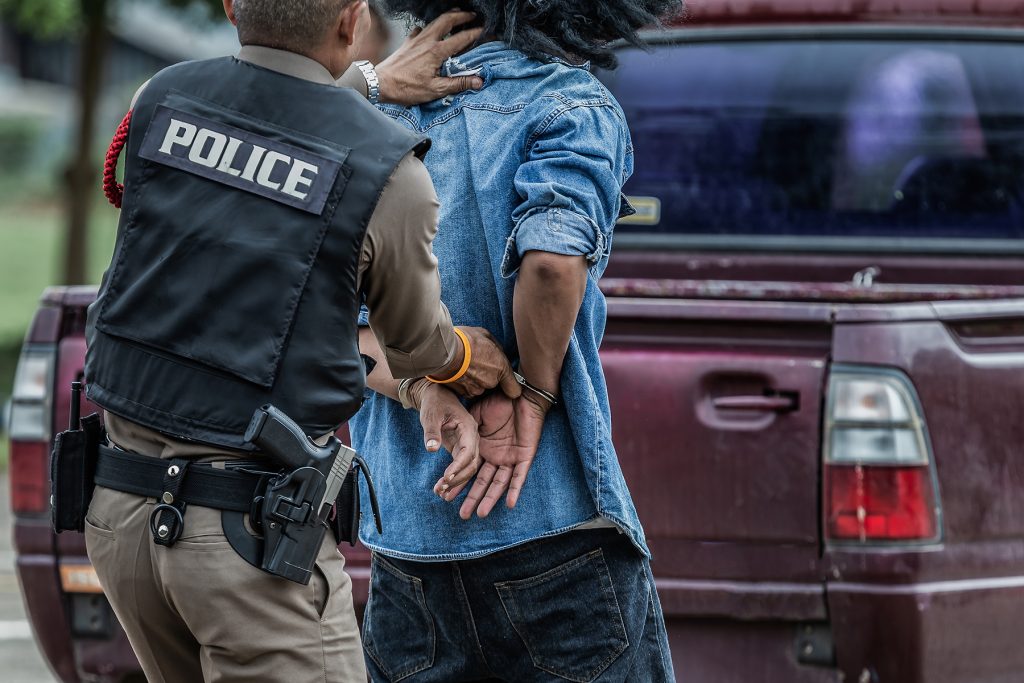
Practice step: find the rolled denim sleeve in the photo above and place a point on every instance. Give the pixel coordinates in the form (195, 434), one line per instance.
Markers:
(570, 185)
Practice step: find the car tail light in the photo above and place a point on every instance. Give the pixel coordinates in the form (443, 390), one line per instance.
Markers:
(880, 483)
(31, 428)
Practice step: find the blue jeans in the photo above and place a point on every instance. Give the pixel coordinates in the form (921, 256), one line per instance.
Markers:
(579, 607)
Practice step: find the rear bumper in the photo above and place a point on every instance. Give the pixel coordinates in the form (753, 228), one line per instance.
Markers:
(107, 659)
(45, 605)
(965, 631)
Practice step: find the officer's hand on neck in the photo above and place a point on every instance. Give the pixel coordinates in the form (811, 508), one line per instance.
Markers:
(410, 75)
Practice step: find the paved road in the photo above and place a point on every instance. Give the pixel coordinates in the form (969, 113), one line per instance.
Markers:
(20, 661)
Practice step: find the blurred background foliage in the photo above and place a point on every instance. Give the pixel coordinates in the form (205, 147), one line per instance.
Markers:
(57, 17)
(45, 17)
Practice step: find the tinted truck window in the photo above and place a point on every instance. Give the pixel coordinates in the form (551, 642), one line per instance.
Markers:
(825, 138)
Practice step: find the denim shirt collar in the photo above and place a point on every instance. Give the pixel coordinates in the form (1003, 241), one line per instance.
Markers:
(499, 61)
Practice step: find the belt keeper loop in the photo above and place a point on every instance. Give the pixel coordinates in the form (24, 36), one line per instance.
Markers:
(168, 519)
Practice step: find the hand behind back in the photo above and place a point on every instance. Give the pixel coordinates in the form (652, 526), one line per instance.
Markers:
(510, 432)
(490, 367)
(446, 423)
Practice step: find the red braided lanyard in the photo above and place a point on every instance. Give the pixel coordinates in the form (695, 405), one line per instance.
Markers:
(113, 189)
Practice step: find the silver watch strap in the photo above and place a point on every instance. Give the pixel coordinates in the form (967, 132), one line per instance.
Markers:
(372, 81)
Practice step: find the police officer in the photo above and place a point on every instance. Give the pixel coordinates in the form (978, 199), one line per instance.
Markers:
(262, 205)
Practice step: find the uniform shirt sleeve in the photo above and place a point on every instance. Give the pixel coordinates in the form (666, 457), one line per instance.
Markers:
(570, 186)
(353, 78)
(399, 279)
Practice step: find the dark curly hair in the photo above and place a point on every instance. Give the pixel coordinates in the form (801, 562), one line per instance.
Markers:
(573, 30)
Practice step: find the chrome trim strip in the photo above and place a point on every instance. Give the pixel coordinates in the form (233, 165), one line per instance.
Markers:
(931, 588)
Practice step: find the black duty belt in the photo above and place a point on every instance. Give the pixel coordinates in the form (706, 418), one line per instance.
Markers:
(204, 485)
(238, 491)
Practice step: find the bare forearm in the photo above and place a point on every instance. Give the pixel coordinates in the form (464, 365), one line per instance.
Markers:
(548, 296)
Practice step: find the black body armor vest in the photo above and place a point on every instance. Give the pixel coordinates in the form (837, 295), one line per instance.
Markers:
(233, 284)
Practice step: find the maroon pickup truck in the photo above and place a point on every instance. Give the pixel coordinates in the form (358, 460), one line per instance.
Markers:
(815, 351)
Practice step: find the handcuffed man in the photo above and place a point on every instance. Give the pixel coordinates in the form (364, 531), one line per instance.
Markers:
(556, 583)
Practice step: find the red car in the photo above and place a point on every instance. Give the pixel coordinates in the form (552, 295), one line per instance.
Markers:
(815, 351)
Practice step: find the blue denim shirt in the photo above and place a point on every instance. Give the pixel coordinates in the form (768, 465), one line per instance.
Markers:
(536, 160)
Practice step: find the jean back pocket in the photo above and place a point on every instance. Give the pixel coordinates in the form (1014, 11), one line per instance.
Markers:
(398, 631)
(568, 618)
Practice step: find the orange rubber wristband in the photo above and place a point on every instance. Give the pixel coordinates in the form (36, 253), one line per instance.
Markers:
(465, 361)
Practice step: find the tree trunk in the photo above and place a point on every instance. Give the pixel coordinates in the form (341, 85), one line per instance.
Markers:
(84, 169)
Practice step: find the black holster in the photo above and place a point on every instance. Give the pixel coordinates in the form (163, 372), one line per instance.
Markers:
(72, 473)
(249, 539)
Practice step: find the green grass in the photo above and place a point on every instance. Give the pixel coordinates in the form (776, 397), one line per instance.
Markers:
(31, 237)
(32, 224)
(28, 262)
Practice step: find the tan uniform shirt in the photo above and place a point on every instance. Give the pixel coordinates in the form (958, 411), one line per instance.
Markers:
(397, 267)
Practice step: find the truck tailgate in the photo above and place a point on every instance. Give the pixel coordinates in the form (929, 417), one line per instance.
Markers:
(717, 413)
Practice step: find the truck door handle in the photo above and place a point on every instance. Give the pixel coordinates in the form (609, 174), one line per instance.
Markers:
(772, 403)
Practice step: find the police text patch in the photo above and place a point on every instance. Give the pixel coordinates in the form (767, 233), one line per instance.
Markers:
(240, 158)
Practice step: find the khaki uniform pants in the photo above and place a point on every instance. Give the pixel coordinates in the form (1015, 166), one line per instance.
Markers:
(199, 612)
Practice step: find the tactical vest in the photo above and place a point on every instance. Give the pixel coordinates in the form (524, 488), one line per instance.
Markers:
(233, 283)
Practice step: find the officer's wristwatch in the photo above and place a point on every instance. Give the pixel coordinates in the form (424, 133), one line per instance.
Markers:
(372, 81)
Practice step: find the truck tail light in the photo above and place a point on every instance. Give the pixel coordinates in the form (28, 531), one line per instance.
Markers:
(31, 428)
(880, 483)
